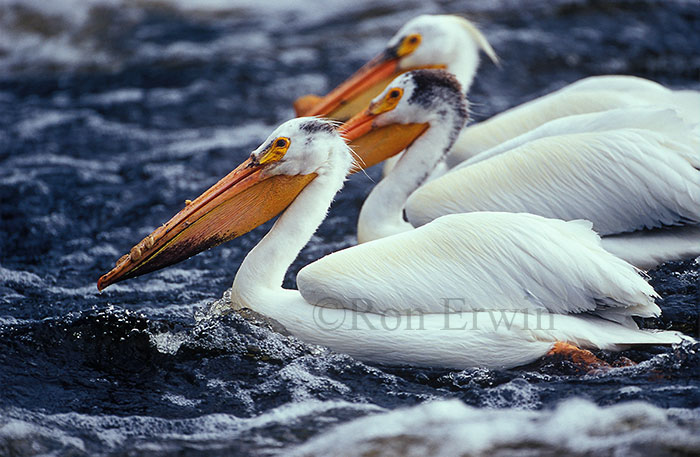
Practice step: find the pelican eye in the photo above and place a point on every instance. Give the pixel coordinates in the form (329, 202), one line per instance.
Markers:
(392, 97)
(388, 103)
(276, 150)
(409, 44)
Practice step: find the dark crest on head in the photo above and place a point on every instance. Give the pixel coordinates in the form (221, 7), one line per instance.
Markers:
(441, 92)
(438, 86)
(318, 125)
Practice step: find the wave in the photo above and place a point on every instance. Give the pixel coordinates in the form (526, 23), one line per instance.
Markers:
(575, 427)
(107, 35)
(25, 432)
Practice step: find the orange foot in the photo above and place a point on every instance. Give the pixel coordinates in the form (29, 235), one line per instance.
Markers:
(581, 357)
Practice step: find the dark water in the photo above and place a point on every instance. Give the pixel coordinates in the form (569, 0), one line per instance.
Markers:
(112, 113)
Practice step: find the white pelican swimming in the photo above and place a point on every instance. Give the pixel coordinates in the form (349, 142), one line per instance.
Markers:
(625, 170)
(453, 43)
(481, 289)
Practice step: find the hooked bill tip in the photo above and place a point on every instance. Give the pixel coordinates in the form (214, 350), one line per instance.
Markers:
(101, 283)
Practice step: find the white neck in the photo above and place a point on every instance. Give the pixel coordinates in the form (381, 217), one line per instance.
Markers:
(263, 269)
(382, 212)
(465, 62)
(464, 67)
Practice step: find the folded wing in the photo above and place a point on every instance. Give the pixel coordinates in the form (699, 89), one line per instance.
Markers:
(621, 180)
(481, 261)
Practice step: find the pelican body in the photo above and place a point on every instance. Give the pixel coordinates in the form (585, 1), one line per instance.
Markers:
(499, 292)
(634, 173)
(454, 43)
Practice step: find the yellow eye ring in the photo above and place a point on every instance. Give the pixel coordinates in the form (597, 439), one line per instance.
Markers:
(409, 44)
(389, 102)
(276, 150)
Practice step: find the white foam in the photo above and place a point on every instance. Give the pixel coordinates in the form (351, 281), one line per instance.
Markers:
(110, 432)
(11, 320)
(51, 160)
(37, 437)
(302, 383)
(575, 427)
(181, 400)
(35, 124)
(208, 139)
(517, 393)
(114, 97)
(168, 342)
(19, 276)
(69, 34)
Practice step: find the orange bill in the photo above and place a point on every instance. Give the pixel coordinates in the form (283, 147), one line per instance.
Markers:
(241, 201)
(357, 91)
(372, 144)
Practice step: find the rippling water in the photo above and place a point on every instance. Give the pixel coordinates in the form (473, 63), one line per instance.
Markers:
(113, 112)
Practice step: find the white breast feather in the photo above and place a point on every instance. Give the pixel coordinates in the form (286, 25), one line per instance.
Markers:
(480, 261)
(621, 180)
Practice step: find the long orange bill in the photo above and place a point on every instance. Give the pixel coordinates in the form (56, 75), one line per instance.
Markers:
(355, 93)
(372, 144)
(350, 97)
(241, 201)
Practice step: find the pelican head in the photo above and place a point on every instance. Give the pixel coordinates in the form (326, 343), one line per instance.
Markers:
(428, 41)
(403, 111)
(296, 153)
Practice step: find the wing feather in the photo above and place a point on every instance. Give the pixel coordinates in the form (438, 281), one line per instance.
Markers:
(523, 118)
(480, 261)
(589, 95)
(666, 121)
(621, 180)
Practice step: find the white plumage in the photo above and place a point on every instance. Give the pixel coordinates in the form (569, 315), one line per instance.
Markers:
(626, 170)
(664, 121)
(454, 43)
(480, 261)
(590, 95)
(648, 248)
(447, 40)
(594, 94)
(629, 171)
(622, 180)
(535, 281)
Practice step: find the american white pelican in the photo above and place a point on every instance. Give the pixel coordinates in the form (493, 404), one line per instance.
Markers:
(626, 170)
(592, 95)
(427, 41)
(482, 289)
(453, 43)
(429, 99)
